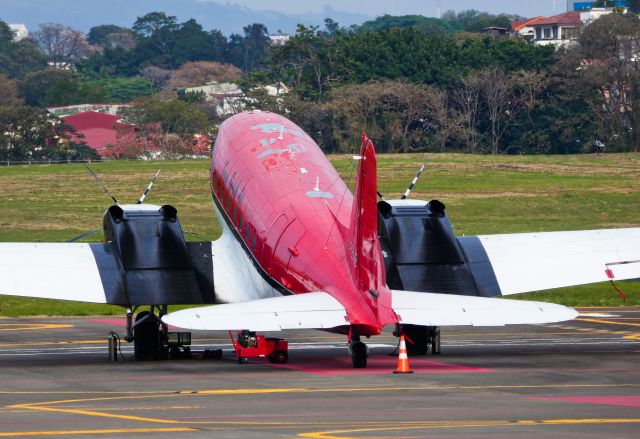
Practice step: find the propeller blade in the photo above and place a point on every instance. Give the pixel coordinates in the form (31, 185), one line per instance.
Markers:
(99, 181)
(84, 235)
(144, 194)
(413, 183)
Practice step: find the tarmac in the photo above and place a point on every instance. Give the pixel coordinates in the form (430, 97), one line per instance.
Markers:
(574, 379)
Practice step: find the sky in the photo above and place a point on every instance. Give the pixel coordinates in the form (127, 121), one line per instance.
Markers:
(528, 8)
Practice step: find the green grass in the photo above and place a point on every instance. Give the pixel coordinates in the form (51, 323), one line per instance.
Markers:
(483, 194)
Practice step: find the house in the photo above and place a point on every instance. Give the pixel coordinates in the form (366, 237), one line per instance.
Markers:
(20, 32)
(229, 97)
(560, 30)
(524, 29)
(97, 130)
(581, 5)
(496, 32)
(279, 39)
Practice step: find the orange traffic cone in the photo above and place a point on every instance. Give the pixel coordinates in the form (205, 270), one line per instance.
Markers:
(403, 359)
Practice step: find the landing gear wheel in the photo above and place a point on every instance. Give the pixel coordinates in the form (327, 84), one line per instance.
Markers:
(279, 357)
(419, 335)
(174, 352)
(146, 337)
(359, 354)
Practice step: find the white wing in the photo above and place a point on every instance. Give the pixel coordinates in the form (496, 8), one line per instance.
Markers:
(52, 271)
(540, 261)
(316, 310)
(429, 309)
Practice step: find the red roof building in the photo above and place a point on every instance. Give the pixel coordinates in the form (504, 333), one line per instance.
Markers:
(97, 130)
(559, 30)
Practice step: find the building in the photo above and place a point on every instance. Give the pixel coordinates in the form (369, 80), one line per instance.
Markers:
(68, 110)
(496, 32)
(97, 130)
(524, 29)
(20, 32)
(279, 39)
(560, 30)
(581, 5)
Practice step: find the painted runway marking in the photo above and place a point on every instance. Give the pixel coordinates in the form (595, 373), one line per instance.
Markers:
(32, 326)
(608, 322)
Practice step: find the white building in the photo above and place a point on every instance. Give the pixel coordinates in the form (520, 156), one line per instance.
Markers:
(20, 31)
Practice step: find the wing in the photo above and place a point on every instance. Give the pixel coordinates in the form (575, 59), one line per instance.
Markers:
(540, 261)
(51, 271)
(316, 310)
(430, 309)
(96, 273)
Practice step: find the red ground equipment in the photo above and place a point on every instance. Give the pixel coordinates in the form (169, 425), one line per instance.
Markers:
(252, 345)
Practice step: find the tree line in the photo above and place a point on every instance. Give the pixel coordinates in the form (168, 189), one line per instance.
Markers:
(414, 83)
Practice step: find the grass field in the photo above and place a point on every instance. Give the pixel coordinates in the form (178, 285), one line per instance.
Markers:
(483, 195)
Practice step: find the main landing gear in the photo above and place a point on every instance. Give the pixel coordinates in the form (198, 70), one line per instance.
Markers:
(421, 338)
(151, 337)
(359, 352)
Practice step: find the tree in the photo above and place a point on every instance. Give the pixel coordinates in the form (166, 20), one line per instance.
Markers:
(193, 74)
(111, 36)
(32, 134)
(401, 116)
(607, 60)
(18, 59)
(173, 126)
(9, 95)
(63, 45)
(54, 87)
(6, 34)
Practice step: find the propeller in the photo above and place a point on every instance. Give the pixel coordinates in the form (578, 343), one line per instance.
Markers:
(106, 191)
(99, 182)
(146, 191)
(413, 183)
(84, 235)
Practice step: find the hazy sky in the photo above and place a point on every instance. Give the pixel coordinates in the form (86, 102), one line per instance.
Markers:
(401, 7)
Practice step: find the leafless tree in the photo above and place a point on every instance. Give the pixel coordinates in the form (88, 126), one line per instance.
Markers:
(63, 45)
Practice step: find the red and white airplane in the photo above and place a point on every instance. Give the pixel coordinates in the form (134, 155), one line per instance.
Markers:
(299, 250)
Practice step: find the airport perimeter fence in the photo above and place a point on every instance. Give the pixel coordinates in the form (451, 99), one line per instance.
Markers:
(68, 161)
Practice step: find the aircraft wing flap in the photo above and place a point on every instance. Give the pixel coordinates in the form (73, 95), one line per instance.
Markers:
(317, 310)
(431, 309)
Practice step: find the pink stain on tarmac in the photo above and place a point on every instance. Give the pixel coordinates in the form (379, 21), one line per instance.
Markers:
(617, 400)
(375, 366)
(111, 322)
(121, 322)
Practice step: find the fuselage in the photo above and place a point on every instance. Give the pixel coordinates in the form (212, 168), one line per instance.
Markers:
(289, 210)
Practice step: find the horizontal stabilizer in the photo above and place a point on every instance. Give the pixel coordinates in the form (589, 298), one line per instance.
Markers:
(430, 309)
(316, 310)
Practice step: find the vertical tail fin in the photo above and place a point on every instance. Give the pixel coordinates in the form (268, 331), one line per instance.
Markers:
(363, 230)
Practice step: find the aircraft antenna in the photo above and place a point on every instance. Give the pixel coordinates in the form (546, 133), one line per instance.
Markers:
(413, 183)
(146, 191)
(99, 181)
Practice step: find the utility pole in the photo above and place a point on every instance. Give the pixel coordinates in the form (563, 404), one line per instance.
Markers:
(439, 8)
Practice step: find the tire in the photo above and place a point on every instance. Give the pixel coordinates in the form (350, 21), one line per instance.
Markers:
(279, 357)
(420, 337)
(146, 337)
(359, 355)
(174, 352)
(243, 360)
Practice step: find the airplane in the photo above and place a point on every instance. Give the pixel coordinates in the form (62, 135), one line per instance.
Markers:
(300, 251)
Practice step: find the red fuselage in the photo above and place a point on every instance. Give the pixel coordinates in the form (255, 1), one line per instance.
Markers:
(291, 211)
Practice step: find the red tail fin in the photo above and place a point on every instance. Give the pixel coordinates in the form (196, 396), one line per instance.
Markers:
(364, 222)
